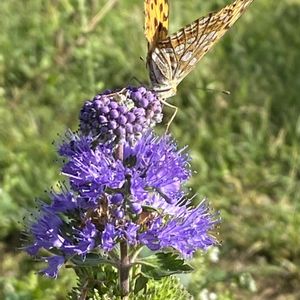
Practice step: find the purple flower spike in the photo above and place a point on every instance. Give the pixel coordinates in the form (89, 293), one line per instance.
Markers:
(138, 199)
(138, 108)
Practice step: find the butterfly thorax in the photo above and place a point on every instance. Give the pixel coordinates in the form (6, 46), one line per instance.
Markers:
(161, 75)
(164, 91)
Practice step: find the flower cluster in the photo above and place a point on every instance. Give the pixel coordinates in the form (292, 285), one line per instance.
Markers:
(122, 115)
(130, 191)
(110, 197)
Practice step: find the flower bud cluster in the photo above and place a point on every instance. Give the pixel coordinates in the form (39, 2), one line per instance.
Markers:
(123, 115)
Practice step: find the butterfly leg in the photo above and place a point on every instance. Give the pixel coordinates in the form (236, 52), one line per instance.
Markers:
(173, 115)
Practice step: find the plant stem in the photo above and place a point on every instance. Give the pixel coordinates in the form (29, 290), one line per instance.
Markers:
(119, 154)
(124, 270)
(124, 267)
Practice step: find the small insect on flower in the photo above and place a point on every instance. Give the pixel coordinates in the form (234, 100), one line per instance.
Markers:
(99, 215)
(146, 217)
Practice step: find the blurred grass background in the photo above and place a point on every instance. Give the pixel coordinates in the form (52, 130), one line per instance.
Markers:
(245, 147)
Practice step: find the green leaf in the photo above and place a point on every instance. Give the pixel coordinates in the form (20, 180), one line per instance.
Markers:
(92, 260)
(140, 283)
(163, 264)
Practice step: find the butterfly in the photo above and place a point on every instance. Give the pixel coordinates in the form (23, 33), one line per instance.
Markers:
(171, 58)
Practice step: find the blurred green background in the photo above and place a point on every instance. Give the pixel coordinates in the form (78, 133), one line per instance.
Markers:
(245, 147)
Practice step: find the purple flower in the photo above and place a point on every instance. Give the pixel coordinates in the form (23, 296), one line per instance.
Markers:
(138, 199)
(117, 199)
(54, 264)
(130, 233)
(63, 202)
(154, 166)
(121, 115)
(186, 232)
(109, 237)
(49, 230)
(46, 232)
(159, 168)
(83, 240)
(90, 171)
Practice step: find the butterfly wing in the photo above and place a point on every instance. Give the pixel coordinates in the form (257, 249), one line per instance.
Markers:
(156, 21)
(175, 56)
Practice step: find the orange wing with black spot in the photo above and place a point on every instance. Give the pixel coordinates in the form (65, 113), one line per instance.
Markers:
(156, 21)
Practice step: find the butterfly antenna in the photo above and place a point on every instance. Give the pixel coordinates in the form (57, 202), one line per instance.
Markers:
(225, 92)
